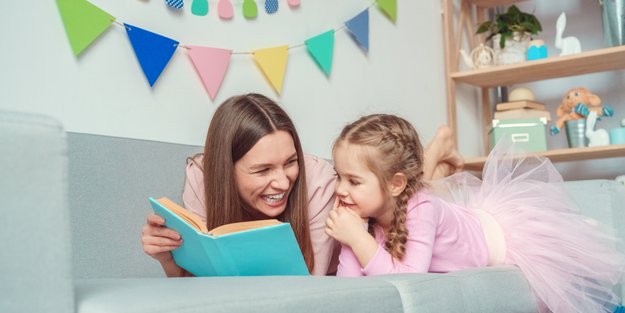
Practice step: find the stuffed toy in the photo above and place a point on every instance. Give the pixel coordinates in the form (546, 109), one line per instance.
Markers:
(577, 103)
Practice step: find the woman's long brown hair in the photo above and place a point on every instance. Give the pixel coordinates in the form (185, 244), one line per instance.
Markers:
(237, 125)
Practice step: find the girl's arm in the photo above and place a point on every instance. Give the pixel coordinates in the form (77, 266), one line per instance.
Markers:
(348, 228)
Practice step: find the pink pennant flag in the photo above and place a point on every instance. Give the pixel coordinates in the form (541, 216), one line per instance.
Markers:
(211, 64)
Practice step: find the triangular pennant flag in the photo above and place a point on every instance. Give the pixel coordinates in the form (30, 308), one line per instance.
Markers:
(211, 64)
(152, 50)
(272, 61)
(321, 48)
(389, 7)
(358, 26)
(83, 22)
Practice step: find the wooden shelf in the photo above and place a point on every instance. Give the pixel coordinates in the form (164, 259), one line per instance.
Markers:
(562, 155)
(607, 59)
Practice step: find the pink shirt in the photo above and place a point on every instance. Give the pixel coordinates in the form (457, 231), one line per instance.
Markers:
(442, 237)
(320, 181)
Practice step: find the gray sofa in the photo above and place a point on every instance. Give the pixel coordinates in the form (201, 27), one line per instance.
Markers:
(73, 205)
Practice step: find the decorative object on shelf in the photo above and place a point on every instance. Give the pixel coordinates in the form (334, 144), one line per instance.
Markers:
(510, 32)
(567, 45)
(576, 133)
(521, 105)
(294, 3)
(528, 133)
(520, 94)
(536, 50)
(199, 7)
(577, 104)
(176, 4)
(617, 135)
(250, 10)
(481, 57)
(613, 22)
(225, 10)
(596, 137)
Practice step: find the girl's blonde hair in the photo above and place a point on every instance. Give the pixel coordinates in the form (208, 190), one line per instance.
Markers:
(390, 146)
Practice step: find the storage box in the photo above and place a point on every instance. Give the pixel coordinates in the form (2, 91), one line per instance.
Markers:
(527, 134)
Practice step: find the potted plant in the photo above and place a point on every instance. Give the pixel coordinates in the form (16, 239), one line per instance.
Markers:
(512, 31)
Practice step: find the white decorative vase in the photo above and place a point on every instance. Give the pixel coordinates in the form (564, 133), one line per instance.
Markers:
(515, 50)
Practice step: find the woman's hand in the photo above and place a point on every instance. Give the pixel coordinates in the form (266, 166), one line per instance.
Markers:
(158, 241)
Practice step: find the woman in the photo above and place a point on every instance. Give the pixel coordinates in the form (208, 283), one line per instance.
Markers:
(258, 170)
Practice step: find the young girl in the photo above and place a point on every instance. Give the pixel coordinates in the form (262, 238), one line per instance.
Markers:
(518, 215)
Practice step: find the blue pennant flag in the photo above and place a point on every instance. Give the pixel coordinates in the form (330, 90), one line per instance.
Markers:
(152, 50)
(358, 26)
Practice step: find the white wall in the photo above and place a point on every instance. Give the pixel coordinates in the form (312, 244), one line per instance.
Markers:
(104, 91)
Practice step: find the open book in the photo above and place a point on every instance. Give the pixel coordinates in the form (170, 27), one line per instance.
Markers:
(264, 247)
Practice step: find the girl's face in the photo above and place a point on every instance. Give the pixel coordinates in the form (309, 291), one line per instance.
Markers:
(265, 175)
(357, 187)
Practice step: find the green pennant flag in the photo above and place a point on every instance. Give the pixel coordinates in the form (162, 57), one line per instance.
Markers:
(389, 7)
(321, 48)
(83, 22)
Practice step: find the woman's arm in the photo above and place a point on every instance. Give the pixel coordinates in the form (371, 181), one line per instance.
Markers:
(320, 180)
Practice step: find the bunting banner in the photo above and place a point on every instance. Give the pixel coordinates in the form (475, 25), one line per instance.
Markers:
(358, 27)
(211, 64)
(152, 50)
(389, 7)
(199, 7)
(321, 47)
(272, 61)
(84, 23)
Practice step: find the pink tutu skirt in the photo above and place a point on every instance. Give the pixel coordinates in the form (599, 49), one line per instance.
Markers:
(570, 263)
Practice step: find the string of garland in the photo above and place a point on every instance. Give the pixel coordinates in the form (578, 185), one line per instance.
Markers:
(84, 22)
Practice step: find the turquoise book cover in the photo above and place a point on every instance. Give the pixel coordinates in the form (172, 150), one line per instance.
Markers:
(266, 250)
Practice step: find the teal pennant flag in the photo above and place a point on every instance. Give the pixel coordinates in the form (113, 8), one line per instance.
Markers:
(358, 27)
(389, 7)
(152, 50)
(83, 21)
(321, 48)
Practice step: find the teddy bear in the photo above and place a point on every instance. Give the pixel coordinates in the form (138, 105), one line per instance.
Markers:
(577, 103)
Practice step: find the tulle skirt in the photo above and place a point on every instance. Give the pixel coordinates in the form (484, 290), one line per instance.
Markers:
(570, 263)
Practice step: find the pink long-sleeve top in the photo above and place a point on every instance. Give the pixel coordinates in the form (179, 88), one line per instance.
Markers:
(442, 237)
(320, 180)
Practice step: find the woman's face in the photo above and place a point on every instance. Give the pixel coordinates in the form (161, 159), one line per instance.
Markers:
(265, 175)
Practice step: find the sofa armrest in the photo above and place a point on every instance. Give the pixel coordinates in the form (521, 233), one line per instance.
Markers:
(35, 267)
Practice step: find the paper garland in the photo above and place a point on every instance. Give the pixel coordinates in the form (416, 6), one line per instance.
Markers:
(84, 23)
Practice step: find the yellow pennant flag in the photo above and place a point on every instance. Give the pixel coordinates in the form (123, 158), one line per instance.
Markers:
(272, 61)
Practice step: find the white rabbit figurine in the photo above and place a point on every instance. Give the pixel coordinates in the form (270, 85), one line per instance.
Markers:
(597, 137)
(568, 45)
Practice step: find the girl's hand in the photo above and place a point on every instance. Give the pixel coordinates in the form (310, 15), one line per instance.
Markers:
(346, 226)
(158, 240)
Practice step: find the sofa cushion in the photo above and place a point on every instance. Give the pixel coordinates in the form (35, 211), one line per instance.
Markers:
(110, 179)
(238, 294)
(493, 289)
(35, 273)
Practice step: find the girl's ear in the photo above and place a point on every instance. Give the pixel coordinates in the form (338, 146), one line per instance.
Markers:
(398, 184)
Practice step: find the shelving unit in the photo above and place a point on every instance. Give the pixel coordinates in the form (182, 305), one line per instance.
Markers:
(460, 22)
